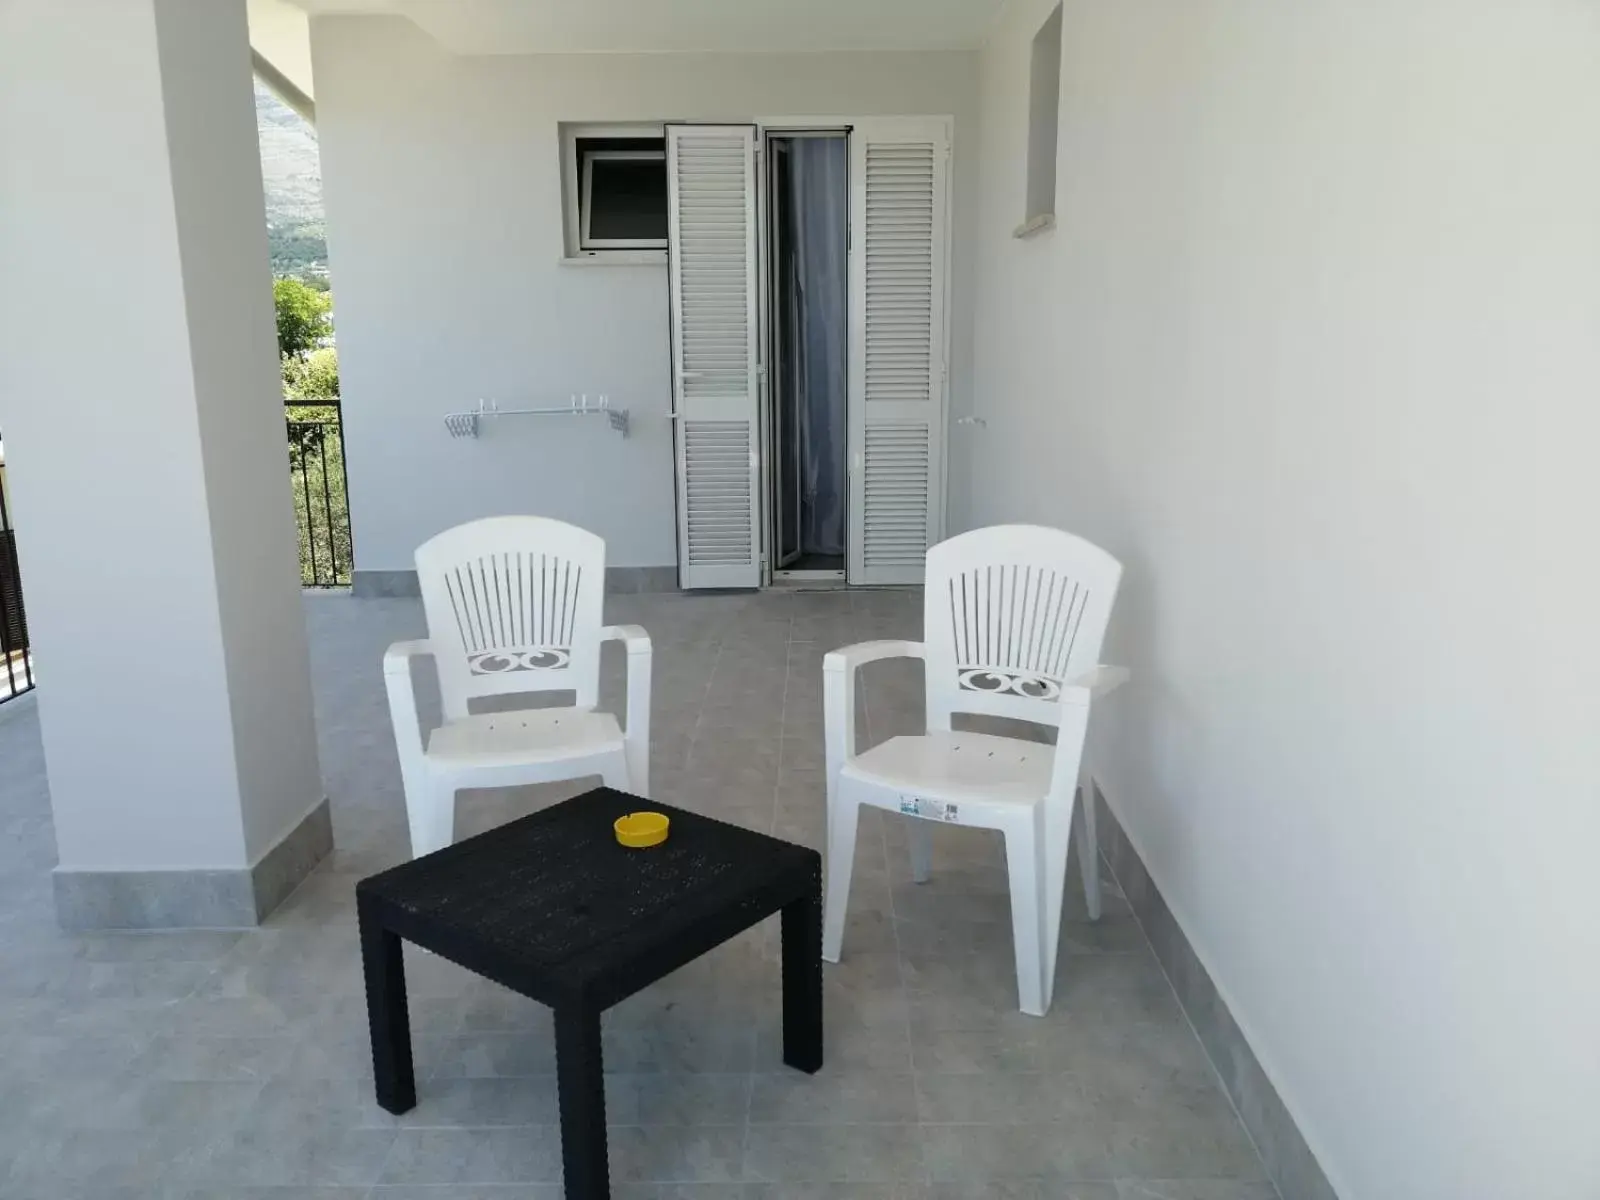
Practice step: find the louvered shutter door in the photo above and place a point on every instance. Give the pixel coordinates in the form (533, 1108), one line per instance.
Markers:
(899, 202)
(711, 234)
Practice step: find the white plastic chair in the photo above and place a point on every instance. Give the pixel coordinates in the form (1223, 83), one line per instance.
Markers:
(1013, 618)
(513, 606)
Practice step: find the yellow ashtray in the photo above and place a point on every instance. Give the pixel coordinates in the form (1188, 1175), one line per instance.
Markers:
(641, 829)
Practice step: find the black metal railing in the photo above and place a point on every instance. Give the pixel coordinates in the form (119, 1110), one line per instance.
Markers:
(16, 662)
(321, 504)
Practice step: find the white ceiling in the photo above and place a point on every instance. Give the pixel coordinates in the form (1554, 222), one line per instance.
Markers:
(655, 26)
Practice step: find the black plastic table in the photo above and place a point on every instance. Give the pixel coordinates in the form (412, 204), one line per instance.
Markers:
(552, 907)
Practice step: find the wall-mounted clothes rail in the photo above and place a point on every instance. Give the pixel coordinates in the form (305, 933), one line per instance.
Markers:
(469, 424)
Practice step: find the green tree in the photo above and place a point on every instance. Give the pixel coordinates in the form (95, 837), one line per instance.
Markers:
(312, 378)
(303, 320)
(316, 436)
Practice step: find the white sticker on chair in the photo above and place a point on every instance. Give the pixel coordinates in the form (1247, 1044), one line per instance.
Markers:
(934, 810)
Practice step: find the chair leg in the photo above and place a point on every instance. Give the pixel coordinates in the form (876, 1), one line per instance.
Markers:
(843, 817)
(1027, 918)
(920, 835)
(1088, 847)
(431, 813)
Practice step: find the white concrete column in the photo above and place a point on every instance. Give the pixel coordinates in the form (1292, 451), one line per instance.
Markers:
(143, 419)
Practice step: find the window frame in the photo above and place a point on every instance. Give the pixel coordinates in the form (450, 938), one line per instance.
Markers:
(574, 252)
(1041, 181)
(586, 198)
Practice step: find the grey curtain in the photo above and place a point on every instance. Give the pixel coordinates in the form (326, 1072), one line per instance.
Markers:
(818, 207)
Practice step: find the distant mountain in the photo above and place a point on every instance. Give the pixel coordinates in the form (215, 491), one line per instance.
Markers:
(291, 171)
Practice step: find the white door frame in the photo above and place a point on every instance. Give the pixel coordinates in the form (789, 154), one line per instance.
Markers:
(765, 128)
(825, 125)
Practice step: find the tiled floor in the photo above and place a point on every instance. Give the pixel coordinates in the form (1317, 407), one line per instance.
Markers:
(231, 1064)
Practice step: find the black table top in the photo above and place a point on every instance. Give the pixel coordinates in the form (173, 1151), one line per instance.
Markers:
(556, 901)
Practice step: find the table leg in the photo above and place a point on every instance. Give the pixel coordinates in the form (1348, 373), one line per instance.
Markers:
(802, 982)
(384, 966)
(581, 1089)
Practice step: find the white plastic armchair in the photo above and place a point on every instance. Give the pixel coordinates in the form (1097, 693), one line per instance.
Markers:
(513, 606)
(1013, 620)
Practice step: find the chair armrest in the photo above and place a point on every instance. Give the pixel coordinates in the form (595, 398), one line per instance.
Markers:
(397, 658)
(403, 702)
(849, 658)
(1095, 682)
(637, 734)
(633, 637)
(1077, 696)
(839, 695)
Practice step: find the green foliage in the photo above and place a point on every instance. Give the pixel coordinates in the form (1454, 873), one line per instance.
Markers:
(297, 248)
(321, 504)
(303, 316)
(313, 377)
(316, 436)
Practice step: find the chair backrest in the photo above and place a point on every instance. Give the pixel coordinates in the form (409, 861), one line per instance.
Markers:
(514, 604)
(1010, 613)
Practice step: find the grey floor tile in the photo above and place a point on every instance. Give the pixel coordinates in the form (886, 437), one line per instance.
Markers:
(210, 1058)
(1059, 1152)
(129, 1102)
(679, 1045)
(1193, 1189)
(230, 1192)
(977, 1051)
(493, 1009)
(1021, 1189)
(237, 1064)
(531, 1154)
(54, 1056)
(900, 1190)
(482, 1191)
(494, 1055)
(999, 1098)
(832, 1097)
(1199, 1148)
(83, 1162)
(300, 1154)
(667, 1154)
(846, 1047)
(466, 1103)
(833, 1153)
(677, 1099)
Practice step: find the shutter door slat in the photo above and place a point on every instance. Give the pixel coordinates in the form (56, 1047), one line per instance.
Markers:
(711, 242)
(898, 286)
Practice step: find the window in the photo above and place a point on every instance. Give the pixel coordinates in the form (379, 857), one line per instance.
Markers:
(1044, 105)
(616, 190)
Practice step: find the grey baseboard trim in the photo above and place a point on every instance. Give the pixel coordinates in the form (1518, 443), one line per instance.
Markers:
(392, 585)
(281, 869)
(216, 899)
(626, 580)
(384, 585)
(1289, 1161)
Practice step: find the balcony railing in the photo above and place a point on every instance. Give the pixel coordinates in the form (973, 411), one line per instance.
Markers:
(321, 504)
(16, 662)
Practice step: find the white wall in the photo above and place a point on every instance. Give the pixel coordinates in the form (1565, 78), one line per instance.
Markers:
(144, 431)
(442, 180)
(1316, 350)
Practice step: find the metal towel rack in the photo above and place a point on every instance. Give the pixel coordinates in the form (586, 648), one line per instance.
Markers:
(468, 424)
